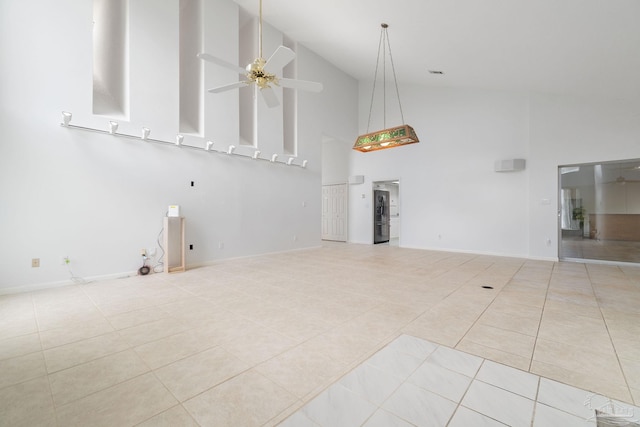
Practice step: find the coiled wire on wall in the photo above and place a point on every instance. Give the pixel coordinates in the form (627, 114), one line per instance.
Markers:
(158, 267)
(160, 262)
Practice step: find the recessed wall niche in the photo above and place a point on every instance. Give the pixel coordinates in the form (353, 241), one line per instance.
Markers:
(191, 79)
(248, 50)
(111, 58)
(290, 105)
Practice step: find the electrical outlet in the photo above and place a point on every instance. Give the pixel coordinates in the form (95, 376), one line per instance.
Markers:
(35, 262)
(221, 245)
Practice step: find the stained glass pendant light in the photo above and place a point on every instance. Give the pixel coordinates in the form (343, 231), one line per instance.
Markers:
(388, 137)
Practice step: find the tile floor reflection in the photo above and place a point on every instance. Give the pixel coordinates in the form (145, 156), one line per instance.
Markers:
(448, 388)
(254, 341)
(603, 250)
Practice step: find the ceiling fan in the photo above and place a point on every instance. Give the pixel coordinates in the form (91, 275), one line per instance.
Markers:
(621, 180)
(261, 73)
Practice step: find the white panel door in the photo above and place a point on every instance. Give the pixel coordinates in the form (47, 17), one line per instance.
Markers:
(334, 212)
(326, 217)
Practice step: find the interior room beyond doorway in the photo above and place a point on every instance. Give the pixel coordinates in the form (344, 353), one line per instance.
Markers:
(393, 217)
(599, 211)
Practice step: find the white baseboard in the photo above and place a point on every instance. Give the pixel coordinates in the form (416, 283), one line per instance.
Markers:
(61, 283)
(58, 284)
(485, 253)
(213, 262)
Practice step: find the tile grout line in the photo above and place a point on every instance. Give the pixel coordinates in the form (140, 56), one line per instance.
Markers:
(405, 381)
(44, 360)
(606, 325)
(535, 402)
(487, 307)
(459, 404)
(544, 305)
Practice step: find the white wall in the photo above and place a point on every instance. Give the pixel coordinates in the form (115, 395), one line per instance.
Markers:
(335, 161)
(99, 199)
(450, 195)
(569, 130)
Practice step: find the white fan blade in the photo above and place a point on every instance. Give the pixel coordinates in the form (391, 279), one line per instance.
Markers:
(270, 97)
(281, 57)
(301, 84)
(221, 62)
(228, 87)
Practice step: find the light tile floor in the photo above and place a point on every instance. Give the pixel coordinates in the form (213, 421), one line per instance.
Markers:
(414, 382)
(250, 342)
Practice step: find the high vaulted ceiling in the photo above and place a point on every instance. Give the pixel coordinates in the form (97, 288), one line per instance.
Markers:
(576, 47)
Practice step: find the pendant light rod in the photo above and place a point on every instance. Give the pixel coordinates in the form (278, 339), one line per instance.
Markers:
(384, 75)
(395, 79)
(391, 137)
(375, 78)
(260, 31)
(383, 45)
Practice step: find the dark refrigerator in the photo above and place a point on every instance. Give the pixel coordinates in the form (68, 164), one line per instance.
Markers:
(381, 216)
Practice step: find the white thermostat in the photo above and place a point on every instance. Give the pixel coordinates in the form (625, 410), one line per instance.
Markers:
(174, 210)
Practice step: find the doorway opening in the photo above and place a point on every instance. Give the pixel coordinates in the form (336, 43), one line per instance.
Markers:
(599, 211)
(386, 212)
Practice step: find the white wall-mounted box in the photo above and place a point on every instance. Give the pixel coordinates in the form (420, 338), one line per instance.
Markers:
(356, 179)
(509, 165)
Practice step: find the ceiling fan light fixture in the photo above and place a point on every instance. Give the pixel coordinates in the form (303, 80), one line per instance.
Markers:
(262, 73)
(388, 137)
